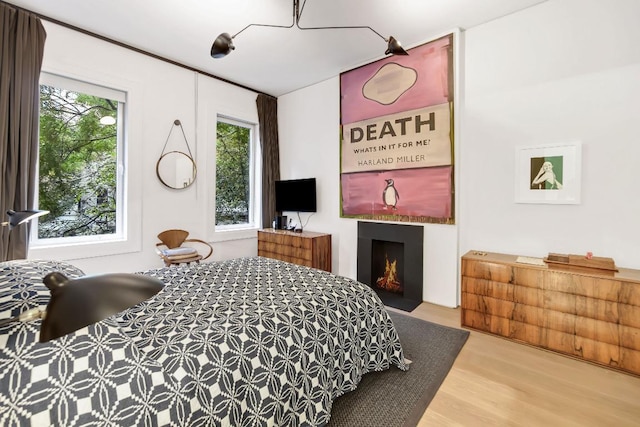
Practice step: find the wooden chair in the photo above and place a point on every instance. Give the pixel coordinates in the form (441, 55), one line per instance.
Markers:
(172, 251)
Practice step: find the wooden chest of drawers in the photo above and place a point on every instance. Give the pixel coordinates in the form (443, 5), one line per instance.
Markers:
(306, 248)
(588, 314)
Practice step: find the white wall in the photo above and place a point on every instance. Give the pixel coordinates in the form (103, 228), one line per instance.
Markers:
(566, 70)
(158, 94)
(562, 71)
(309, 138)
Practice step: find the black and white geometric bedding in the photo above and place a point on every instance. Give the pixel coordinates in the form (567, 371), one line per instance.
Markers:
(95, 376)
(244, 342)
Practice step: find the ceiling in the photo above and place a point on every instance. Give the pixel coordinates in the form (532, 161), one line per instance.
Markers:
(272, 60)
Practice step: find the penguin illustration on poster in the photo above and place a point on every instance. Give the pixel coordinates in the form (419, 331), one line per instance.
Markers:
(390, 195)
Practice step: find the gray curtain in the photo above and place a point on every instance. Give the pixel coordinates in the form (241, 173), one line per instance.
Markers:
(268, 118)
(22, 39)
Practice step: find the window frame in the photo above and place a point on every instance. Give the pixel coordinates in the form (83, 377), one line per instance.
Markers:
(253, 202)
(127, 238)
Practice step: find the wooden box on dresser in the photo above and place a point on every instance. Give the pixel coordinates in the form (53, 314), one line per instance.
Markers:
(306, 248)
(590, 314)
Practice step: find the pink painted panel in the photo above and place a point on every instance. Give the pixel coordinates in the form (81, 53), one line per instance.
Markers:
(422, 192)
(430, 63)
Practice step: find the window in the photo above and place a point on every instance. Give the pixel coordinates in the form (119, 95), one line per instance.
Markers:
(235, 172)
(81, 172)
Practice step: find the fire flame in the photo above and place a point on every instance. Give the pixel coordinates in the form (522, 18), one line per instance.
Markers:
(390, 282)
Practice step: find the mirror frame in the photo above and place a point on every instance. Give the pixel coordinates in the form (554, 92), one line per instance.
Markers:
(193, 163)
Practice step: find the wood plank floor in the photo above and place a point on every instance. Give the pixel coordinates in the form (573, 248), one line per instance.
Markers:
(496, 382)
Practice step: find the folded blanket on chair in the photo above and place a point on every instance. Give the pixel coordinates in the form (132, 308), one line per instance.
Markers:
(178, 252)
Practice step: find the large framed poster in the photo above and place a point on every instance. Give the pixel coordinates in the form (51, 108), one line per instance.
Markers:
(396, 121)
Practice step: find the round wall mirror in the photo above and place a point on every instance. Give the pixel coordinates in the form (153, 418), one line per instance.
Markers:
(176, 169)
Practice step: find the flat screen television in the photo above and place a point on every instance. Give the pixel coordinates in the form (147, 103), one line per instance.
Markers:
(296, 195)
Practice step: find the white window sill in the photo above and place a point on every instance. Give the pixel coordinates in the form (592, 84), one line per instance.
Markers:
(227, 233)
(81, 250)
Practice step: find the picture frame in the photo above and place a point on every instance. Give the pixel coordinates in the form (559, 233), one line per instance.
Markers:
(397, 136)
(549, 173)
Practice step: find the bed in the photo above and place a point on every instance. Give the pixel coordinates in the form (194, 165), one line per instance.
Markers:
(244, 342)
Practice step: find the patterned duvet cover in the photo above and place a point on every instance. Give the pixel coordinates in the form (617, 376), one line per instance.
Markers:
(243, 342)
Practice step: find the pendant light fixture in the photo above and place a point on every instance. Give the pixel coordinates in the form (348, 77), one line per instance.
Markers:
(223, 44)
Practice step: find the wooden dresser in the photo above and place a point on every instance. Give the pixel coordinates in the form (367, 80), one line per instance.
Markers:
(593, 315)
(306, 248)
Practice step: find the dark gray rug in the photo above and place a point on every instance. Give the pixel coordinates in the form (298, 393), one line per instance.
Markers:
(397, 398)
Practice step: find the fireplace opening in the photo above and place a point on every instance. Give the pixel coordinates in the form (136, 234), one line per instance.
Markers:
(387, 266)
(390, 261)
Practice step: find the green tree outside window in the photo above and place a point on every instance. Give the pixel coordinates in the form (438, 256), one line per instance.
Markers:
(78, 163)
(233, 174)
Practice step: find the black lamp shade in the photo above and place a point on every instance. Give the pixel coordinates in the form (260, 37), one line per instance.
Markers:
(81, 302)
(222, 46)
(20, 217)
(394, 47)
